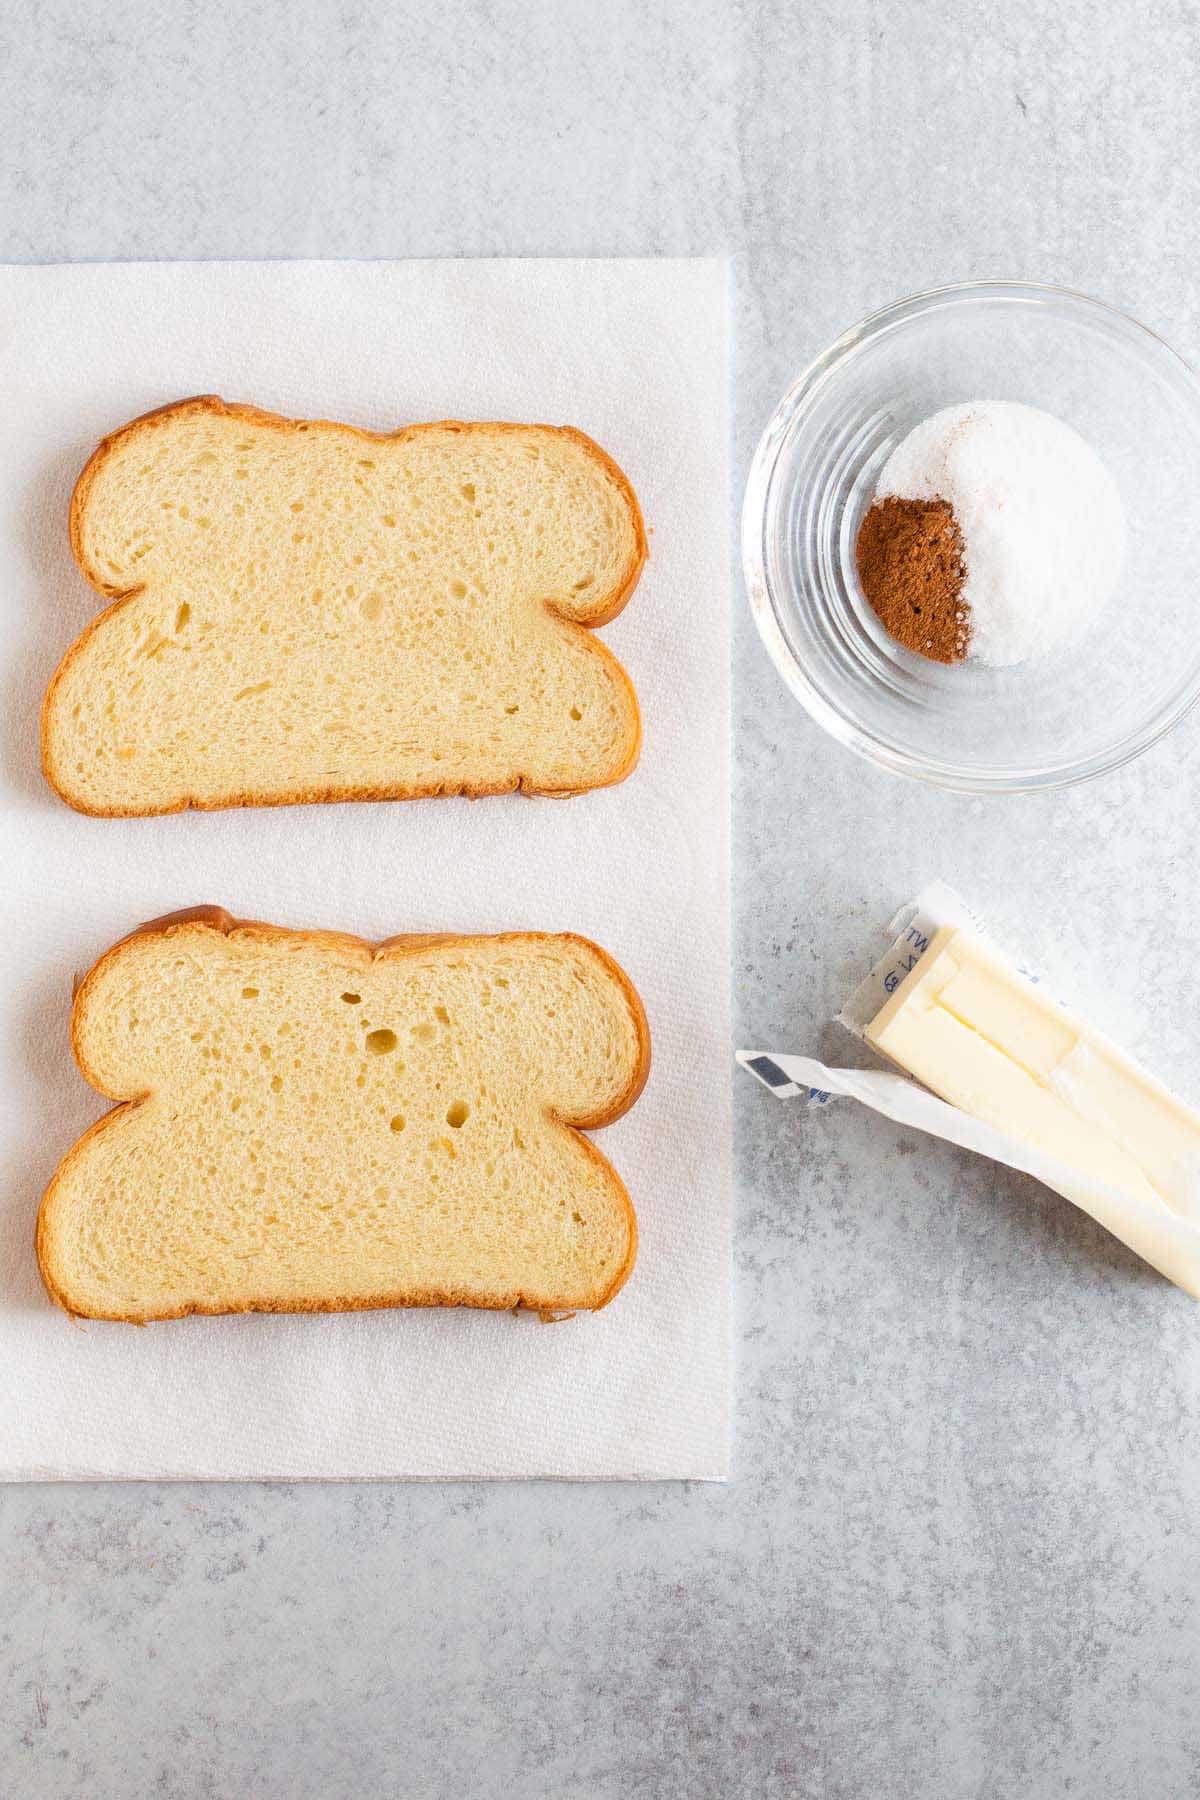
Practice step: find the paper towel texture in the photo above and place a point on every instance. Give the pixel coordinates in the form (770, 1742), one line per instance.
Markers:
(635, 354)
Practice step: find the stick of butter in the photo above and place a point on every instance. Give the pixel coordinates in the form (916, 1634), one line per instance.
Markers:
(968, 1025)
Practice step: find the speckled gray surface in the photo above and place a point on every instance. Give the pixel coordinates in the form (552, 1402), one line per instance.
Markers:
(959, 1556)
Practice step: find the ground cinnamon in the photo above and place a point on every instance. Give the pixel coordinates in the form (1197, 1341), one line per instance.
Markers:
(912, 567)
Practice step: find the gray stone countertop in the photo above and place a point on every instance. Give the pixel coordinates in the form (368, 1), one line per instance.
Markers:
(959, 1555)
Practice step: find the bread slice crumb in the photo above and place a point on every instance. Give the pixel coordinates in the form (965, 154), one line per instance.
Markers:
(309, 1123)
(304, 611)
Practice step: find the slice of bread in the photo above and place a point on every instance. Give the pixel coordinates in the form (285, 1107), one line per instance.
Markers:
(307, 611)
(309, 1123)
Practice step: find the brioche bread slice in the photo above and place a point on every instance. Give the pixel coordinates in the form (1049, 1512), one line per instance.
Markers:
(309, 1123)
(307, 611)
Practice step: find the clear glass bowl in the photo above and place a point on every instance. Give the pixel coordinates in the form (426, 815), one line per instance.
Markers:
(1078, 712)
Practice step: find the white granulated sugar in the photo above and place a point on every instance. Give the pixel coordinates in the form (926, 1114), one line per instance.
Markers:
(1040, 518)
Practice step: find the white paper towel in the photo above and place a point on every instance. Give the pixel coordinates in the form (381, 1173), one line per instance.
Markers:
(635, 353)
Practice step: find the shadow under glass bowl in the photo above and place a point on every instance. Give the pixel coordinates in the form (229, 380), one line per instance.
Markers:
(1087, 707)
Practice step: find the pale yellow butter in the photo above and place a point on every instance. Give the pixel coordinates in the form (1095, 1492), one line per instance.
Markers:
(968, 1025)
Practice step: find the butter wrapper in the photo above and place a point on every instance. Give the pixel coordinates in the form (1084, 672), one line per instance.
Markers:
(1167, 1239)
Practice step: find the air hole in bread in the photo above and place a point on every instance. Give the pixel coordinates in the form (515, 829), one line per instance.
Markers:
(441, 1015)
(468, 492)
(397, 1122)
(458, 590)
(456, 1114)
(352, 999)
(381, 1042)
(182, 616)
(575, 713)
(249, 993)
